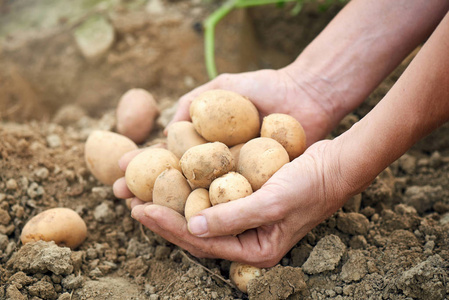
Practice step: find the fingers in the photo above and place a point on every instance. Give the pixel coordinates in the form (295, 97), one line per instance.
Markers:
(127, 157)
(260, 208)
(121, 190)
(183, 113)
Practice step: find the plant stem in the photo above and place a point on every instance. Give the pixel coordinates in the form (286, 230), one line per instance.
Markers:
(212, 21)
(209, 36)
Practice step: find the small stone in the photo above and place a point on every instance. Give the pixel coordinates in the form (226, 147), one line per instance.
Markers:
(41, 257)
(103, 213)
(102, 192)
(35, 190)
(54, 141)
(325, 256)
(65, 296)
(358, 242)
(11, 184)
(353, 204)
(353, 223)
(72, 282)
(3, 241)
(42, 173)
(94, 37)
(14, 294)
(5, 218)
(355, 268)
(162, 252)
(154, 297)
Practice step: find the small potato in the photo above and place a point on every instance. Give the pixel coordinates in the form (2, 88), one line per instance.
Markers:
(136, 112)
(197, 201)
(171, 189)
(203, 163)
(225, 116)
(145, 167)
(235, 151)
(102, 151)
(231, 186)
(182, 136)
(259, 159)
(287, 131)
(241, 274)
(61, 225)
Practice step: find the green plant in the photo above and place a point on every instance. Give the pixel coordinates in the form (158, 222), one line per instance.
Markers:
(210, 23)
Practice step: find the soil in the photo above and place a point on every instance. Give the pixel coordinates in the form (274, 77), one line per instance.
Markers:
(389, 242)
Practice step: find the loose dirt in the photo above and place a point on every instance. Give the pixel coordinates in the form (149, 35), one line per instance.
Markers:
(389, 242)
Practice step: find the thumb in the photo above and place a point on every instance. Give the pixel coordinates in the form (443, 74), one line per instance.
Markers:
(260, 208)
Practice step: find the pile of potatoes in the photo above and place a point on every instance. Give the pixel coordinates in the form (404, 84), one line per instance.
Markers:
(223, 154)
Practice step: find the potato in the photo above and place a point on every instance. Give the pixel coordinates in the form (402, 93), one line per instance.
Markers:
(171, 189)
(182, 136)
(235, 151)
(228, 187)
(196, 202)
(287, 131)
(102, 151)
(136, 112)
(61, 225)
(259, 159)
(241, 274)
(145, 167)
(203, 163)
(225, 116)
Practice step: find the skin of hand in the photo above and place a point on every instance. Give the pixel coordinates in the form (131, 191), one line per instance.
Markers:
(278, 91)
(310, 188)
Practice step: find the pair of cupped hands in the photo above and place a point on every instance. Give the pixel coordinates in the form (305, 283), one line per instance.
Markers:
(261, 228)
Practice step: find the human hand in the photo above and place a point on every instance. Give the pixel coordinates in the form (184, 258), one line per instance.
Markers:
(261, 228)
(287, 91)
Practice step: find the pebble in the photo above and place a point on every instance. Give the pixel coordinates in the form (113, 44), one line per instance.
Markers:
(103, 213)
(42, 173)
(54, 141)
(11, 184)
(35, 190)
(5, 218)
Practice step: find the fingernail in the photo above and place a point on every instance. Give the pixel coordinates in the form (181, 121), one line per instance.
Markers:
(198, 225)
(137, 212)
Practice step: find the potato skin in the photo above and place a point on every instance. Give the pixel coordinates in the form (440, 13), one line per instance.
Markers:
(235, 151)
(241, 274)
(196, 202)
(287, 131)
(102, 151)
(259, 159)
(231, 186)
(225, 116)
(171, 189)
(182, 136)
(203, 163)
(135, 113)
(61, 225)
(143, 170)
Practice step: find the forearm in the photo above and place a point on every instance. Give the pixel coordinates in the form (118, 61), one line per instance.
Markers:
(361, 46)
(417, 104)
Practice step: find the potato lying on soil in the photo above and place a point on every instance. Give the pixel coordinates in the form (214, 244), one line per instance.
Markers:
(241, 274)
(225, 116)
(171, 189)
(102, 151)
(203, 163)
(287, 131)
(196, 202)
(143, 170)
(136, 112)
(259, 159)
(228, 187)
(61, 225)
(182, 136)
